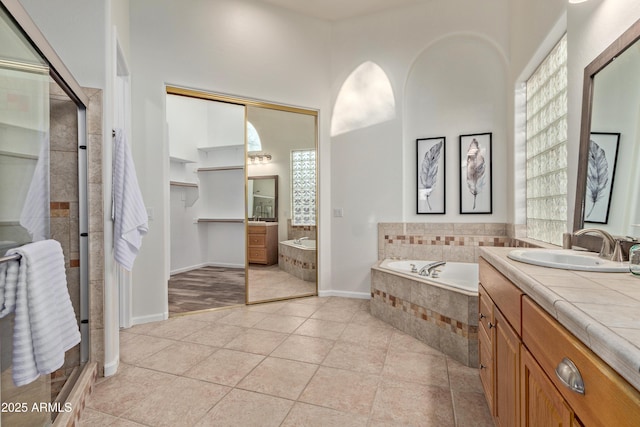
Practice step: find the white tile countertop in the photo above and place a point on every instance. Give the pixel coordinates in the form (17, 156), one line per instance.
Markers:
(601, 309)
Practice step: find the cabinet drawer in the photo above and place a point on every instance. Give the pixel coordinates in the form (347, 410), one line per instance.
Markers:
(256, 229)
(257, 255)
(608, 400)
(256, 240)
(505, 295)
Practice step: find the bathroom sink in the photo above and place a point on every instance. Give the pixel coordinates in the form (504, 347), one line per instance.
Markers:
(568, 260)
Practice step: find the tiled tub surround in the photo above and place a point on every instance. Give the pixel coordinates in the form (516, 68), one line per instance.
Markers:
(601, 309)
(297, 260)
(441, 317)
(439, 241)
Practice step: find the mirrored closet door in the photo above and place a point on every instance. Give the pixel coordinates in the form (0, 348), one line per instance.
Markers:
(281, 203)
(243, 201)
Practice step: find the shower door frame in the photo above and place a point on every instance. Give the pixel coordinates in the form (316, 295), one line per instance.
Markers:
(63, 77)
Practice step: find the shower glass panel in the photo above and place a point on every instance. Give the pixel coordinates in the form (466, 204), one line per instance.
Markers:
(39, 199)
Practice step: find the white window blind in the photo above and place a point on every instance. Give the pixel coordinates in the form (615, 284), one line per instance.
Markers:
(547, 147)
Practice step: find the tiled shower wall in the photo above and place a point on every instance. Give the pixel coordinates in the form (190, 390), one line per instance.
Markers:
(65, 213)
(458, 242)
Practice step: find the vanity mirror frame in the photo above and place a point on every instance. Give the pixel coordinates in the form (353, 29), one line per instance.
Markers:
(274, 217)
(621, 44)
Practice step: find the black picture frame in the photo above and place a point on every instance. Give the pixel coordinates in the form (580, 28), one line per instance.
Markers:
(476, 178)
(602, 161)
(431, 175)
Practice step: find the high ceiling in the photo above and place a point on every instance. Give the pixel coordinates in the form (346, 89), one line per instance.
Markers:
(335, 10)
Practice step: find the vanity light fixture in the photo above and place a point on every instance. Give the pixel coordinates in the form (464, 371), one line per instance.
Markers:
(259, 157)
(577, 1)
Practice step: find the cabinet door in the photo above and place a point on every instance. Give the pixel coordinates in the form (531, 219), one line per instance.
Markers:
(506, 372)
(485, 345)
(541, 403)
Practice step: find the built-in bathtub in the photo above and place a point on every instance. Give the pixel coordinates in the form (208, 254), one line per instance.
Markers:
(298, 258)
(442, 312)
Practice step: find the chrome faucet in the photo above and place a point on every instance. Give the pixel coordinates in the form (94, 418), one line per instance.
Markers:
(427, 269)
(299, 240)
(608, 242)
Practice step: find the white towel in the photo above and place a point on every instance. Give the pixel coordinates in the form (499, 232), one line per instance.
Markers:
(35, 288)
(35, 211)
(130, 214)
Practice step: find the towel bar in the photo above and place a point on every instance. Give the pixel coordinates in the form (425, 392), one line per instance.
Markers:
(14, 257)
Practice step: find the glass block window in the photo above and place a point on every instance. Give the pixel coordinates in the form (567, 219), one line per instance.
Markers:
(303, 183)
(547, 147)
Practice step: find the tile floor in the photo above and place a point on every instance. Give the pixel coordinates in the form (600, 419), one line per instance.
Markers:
(270, 282)
(307, 362)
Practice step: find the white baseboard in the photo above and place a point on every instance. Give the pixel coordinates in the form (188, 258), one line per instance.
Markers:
(185, 269)
(344, 294)
(218, 264)
(204, 264)
(111, 368)
(148, 319)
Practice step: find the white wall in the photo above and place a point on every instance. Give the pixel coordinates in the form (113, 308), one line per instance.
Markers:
(457, 87)
(373, 168)
(242, 48)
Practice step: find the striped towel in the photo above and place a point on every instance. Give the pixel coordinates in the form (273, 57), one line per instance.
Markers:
(129, 212)
(35, 288)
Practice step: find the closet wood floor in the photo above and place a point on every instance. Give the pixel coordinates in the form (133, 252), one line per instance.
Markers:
(204, 288)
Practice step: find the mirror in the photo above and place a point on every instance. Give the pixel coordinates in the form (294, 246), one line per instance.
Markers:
(607, 195)
(281, 203)
(262, 200)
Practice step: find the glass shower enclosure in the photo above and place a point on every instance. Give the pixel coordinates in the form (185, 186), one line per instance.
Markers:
(42, 196)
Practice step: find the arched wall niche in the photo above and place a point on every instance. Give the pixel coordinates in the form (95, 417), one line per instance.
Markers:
(457, 85)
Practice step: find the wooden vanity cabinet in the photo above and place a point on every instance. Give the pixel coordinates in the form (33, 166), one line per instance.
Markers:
(502, 376)
(262, 244)
(521, 351)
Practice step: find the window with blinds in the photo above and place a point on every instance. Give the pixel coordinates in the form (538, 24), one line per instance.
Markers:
(547, 147)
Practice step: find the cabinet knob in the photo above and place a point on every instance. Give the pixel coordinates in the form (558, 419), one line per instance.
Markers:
(490, 325)
(482, 366)
(482, 316)
(569, 375)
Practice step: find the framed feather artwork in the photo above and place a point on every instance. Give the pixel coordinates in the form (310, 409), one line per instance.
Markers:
(601, 170)
(476, 192)
(431, 175)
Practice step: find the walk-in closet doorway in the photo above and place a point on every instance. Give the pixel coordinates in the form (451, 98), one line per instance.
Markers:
(242, 201)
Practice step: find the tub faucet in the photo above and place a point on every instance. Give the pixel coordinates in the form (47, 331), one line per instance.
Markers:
(299, 240)
(608, 242)
(427, 269)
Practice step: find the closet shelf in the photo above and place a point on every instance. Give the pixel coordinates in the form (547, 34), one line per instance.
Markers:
(181, 160)
(222, 147)
(183, 184)
(221, 168)
(234, 220)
